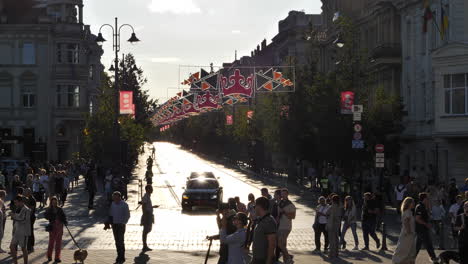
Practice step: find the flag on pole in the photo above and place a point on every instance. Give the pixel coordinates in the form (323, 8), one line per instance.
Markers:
(444, 21)
(427, 15)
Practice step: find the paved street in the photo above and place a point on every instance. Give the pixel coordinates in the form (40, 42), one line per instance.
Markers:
(177, 237)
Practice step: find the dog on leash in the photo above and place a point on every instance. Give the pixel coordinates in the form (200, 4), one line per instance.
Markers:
(446, 256)
(80, 255)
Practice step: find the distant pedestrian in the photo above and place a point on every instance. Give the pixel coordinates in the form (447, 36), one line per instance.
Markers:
(405, 252)
(370, 211)
(264, 239)
(423, 226)
(251, 207)
(30, 202)
(119, 214)
(236, 240)
(437, 217)
(320, 223)
(286, 213)
(464, 188)
(240, 206)
(333, 226)
(2, 220)
(349, 221)
(400, 192)
(147, 219)
(57, 219)
(92, 188)
(453, 213)
(452, 191)
(461, 227)
(21, 229)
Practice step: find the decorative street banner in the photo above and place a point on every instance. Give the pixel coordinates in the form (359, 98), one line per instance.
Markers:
(210, 88)
(126, 102)
(273, 80)
(347, 102)
(229, 120)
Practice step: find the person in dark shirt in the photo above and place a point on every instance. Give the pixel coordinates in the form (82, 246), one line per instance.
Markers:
(423, 226)
(460, 226)
(229, 214)
(30, 202)
(452, 191)
(370, 211)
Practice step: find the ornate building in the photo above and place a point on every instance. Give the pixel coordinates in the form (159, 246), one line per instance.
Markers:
(49, 76)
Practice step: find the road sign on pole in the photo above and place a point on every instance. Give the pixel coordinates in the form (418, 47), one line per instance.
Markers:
(357, 127)
(357, 136)
(358, 144)
(357, 116)
(379, 148)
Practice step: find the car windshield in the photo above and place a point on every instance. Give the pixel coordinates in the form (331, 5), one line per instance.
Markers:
(202, 185)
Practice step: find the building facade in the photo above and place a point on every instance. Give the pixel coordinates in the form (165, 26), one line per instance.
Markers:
(49, 77)
(434, 90)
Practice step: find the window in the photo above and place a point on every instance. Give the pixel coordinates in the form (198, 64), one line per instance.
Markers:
(456, 91)
(68, 53)
(29, 54)
(68, 96)
(28, 94)
(91, 71)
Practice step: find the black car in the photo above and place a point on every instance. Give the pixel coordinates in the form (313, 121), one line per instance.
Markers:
(202, 192)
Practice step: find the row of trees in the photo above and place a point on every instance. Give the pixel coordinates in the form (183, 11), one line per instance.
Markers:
(98, 140)
(307, 124)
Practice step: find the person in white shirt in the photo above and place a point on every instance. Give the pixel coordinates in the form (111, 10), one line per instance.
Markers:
(21, 229)
(453, 213)
(437, 215)
(320, 224)
(400, 192)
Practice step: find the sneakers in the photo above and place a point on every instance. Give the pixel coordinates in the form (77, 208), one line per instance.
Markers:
(317, 250)
(355, 248)
(365, 248)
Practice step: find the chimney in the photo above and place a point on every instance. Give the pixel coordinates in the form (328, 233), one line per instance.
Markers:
(264, 44)
(251, 54)
(258, 48)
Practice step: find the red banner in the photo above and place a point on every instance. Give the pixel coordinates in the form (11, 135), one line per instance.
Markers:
(126, 102)
(250, 114)
(229, 120)
(347, 102)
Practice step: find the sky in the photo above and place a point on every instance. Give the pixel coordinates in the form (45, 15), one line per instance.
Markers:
(177, 33)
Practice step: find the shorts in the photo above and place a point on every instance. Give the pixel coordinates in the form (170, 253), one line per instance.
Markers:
(21, 241)
(282, 236)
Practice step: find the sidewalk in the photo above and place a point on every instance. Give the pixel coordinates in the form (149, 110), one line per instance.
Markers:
(194, 257)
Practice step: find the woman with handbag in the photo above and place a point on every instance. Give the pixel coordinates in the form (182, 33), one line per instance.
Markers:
(57, 220)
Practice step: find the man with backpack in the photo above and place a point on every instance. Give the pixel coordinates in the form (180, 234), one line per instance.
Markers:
(287, 212)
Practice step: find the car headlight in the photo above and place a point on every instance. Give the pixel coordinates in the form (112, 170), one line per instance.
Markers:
(185, 197)
(214, 196)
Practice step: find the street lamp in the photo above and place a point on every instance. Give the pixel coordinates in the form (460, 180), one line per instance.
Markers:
(116, 29)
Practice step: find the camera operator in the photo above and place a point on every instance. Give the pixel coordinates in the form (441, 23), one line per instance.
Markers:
(227, 217)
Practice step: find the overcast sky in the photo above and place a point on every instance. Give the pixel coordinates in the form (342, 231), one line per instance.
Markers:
(189, 32)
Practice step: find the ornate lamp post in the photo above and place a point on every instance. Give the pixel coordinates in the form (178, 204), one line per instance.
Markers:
(116, 29)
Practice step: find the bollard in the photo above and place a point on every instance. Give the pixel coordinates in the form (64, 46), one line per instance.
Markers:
(384, 237)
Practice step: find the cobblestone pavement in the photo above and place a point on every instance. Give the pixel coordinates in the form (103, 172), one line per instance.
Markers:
(177, 237)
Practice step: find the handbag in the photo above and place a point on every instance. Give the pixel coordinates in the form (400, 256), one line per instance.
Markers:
(49, 228)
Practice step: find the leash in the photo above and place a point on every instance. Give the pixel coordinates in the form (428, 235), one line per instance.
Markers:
(76, 244)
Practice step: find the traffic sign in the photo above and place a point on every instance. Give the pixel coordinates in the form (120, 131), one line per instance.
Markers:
(379, 148)
(357, 136)
(358, 144)
(358, 109)
(380, 155)
(380, 165)
(380, 160)
(357, 116)
(357, 127)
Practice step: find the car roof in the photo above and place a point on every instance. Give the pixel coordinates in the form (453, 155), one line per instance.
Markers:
(202, 180)
(202, 174)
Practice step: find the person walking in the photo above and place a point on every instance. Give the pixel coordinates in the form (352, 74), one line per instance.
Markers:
(264, 238)
(147, 219)
(119, 214)
(437, 217)
(320, 224)
(240, 206)
(21, 229)
(31, 204)
(400, 192)
(286, 213)
(453, 213)
(349, 221)
(405, 252)
(460, 226)
(333, 226)
(57, 219)
(235, 241)
(369, 219)
(92, 188)
(423, 226)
